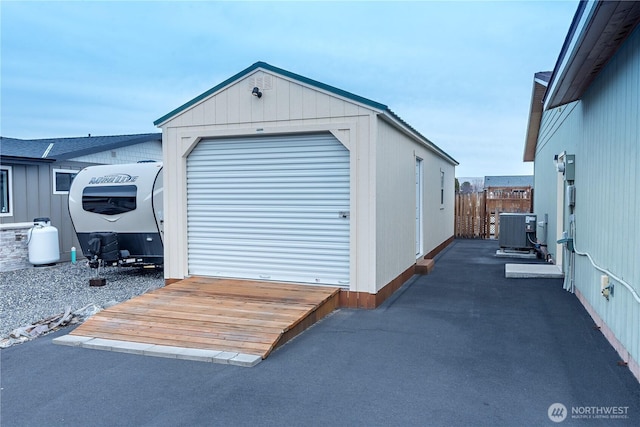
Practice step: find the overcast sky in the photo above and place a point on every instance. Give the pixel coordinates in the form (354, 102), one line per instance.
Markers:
(460, 72)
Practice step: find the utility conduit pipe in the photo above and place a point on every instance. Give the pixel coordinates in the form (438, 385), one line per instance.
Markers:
(603, 270)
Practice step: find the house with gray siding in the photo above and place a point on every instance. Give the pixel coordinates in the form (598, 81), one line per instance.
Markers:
(35, 176)
(584, 138)
(273, 176)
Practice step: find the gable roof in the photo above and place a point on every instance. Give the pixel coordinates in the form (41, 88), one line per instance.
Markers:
(508, 181)
(268, 67)
(68, 148)
(382, 108)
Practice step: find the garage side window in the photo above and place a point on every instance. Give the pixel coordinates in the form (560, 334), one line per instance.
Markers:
(62, 179)
(441, 188)
(109, 200)
(6, 198)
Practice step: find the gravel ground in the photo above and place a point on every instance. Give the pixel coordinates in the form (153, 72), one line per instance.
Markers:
(34, 294)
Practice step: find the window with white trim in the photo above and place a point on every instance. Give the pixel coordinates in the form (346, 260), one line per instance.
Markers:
(6, 196)
(62, 179)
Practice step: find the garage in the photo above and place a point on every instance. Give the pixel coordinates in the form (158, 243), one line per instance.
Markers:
(271, 176)
(270, 208)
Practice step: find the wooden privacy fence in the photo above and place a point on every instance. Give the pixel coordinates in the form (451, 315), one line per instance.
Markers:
(477, 215)
(470, 215)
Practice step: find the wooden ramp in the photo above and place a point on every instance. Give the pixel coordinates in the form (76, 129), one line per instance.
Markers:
(231, 316)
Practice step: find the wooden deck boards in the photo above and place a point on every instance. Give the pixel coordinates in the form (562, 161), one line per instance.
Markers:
(239, 316)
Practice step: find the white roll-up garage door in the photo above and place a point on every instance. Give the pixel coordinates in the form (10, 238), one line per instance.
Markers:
(269, 208)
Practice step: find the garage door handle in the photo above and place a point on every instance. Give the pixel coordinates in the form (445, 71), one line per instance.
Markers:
(344, 214)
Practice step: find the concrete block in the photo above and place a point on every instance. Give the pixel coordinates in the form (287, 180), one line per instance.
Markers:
(98, 344)
(130, 347)
(71, 340)
(246, 360)
(162, 351)
(224, 357)
(505, 253)
(197, 354)
(533, 271)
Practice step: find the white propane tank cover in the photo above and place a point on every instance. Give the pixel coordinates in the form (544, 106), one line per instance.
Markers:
(43, 243)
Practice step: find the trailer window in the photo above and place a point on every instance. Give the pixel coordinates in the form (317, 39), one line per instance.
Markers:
(109, 200)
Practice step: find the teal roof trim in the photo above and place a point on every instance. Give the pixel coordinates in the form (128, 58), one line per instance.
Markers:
(277, 70)
(421, 136)
(323, 86)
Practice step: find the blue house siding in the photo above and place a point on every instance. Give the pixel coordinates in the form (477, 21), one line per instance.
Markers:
(602, 129)
(559, 130)
(607, 202)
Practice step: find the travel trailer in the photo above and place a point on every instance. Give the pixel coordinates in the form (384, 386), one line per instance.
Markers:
(116, 211)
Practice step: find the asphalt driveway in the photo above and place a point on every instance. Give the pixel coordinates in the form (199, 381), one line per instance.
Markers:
(463, 346)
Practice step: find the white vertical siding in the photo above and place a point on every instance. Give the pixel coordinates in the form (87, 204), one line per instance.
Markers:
(175, 224)
(285, 100)
(396, 198)
(438, 217)
(395, 203)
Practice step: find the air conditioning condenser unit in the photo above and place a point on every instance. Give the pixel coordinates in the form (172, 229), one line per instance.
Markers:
(517, 230)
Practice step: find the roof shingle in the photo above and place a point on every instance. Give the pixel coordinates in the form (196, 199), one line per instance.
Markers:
(67, 148)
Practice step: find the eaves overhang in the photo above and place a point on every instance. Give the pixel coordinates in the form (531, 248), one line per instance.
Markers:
(396, 121)
(540, 83)
(597, 31)
(18, 160)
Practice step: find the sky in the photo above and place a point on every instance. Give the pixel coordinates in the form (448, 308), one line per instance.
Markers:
(459, 72)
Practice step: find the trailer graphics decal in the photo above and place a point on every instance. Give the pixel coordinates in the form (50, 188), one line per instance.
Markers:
(119, 178)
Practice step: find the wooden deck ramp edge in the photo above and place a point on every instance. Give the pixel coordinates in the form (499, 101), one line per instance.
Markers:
(231, 316)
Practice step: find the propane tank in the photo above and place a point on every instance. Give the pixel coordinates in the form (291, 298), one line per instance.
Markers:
(43, 242)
